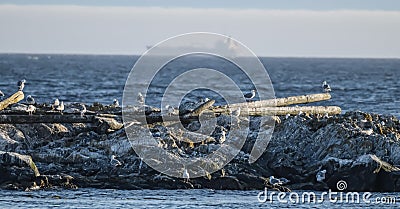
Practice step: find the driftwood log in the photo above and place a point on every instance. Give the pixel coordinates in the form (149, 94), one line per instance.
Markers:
(13, 99)
(279, 102)
(274, 107)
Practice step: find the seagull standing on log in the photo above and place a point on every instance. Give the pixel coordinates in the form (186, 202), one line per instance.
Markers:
(30, 100)
(83, 110)
(60, 108)
(250, 95)
(30, 109)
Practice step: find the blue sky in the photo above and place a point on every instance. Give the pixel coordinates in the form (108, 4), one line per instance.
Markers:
(284, 28)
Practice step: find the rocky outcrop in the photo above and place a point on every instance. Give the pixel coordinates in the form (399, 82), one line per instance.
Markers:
(79, 154)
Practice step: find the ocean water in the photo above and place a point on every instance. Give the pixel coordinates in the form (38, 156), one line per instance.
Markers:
(106, 198)
(370, 85)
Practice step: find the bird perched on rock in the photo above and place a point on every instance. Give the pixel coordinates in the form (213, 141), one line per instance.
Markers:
(186, 175)
(60, 107)
(1, 95)
(21, 84)
(326, 87)
(55, 104)
(274, 181)
(222, 139)
(115, 103)
(169, 110)
(30, 109)
(30, 100)
(250, 95)
(114, 162)
(284, 180)
(140, 98)
(83, 110)
(321, 176)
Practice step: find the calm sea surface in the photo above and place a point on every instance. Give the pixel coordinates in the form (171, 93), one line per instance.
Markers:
(357, 84)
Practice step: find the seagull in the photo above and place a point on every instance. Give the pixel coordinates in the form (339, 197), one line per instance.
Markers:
(83, 110)
(326, 87)
(140, 98)
(284, 180)
(186, 175)
(55, 104)
(115, 103)
(321, 176)
(250, 95)
(114, 162)
(236, 112)
(140, 165)
(60, 107)
(30, 100)
(223, 137)
(30, 109)
(169, 109)
(21, 84)
(274, 181)
(1, 94)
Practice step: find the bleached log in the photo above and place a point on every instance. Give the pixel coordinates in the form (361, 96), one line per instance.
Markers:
(15, 98)
(279, 102)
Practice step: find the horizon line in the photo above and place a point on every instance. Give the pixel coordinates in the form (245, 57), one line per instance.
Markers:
(138, 55)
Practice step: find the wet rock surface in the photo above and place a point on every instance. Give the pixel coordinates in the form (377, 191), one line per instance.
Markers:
(78, 155)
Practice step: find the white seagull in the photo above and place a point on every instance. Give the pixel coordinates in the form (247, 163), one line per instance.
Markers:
(140, 98)
(284, 180)
(321, 176)
(30, 100)
(250, 95)
(114, 162)
(223, 137)
(169, 109)
(60, 107)
(326, 87)
(115, 103)
(186, 175)
(83, 110)
(55, 104)
(1, 94)
(21, 84)
(274, 181)
(30, 109)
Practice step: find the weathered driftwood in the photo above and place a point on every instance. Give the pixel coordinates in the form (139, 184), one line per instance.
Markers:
(202, 108)
(20, 119)
(279, 102)
(270, 111)
(383, 165)
(15, 98)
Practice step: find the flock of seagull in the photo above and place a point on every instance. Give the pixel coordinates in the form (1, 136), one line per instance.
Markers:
(56, 106)
(59, 106)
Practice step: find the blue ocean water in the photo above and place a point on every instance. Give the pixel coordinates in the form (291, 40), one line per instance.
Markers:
(357, 84)
(370, 85)
(106, 198)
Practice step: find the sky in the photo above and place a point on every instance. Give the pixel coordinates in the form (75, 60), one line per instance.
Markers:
(284, 28)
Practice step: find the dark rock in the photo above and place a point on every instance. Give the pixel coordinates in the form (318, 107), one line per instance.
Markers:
(71, 155)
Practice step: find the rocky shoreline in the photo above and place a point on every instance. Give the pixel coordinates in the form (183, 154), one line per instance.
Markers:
(360, 148)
